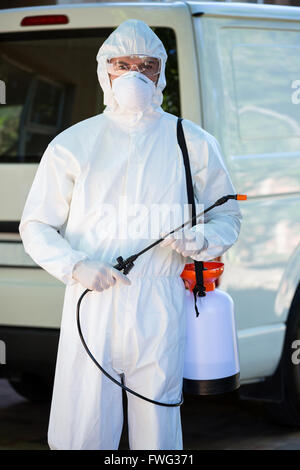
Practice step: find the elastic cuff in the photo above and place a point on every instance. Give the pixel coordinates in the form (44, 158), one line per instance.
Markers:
(70, 281)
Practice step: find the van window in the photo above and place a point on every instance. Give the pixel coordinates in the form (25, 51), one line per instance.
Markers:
(51, 83)
(265, 104)
(258, 69)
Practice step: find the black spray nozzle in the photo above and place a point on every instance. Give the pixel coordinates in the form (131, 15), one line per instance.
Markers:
(224, 199)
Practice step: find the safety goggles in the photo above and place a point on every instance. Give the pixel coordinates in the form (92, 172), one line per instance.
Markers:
(149, 66)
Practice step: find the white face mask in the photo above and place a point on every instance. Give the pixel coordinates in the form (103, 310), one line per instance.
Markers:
(133, 91)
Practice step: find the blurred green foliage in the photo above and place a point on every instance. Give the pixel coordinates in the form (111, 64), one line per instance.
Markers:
(9, 129)
(171, 102)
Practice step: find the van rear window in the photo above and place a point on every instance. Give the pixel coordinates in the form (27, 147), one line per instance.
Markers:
(50, 81)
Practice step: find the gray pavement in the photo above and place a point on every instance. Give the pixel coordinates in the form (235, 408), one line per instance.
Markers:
(209, 423)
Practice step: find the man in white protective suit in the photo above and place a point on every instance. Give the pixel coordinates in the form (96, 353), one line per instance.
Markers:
(134, 324)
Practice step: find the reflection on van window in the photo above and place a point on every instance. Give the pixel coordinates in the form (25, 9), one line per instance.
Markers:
(32, 116)
(266, 111)
(51, 83)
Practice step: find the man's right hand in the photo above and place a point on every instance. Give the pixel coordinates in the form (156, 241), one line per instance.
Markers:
(96, 275)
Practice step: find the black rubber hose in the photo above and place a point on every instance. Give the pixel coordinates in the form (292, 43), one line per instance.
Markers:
(104, 371)
(125, 266)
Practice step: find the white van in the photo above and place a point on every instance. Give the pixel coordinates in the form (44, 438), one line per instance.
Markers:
(234, 69)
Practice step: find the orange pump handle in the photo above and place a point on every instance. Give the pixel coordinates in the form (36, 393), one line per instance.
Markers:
(241, 197)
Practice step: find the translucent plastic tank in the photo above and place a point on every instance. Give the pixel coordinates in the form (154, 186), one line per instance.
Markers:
(211, 354)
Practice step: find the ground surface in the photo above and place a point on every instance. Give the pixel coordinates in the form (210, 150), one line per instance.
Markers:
(208, 423)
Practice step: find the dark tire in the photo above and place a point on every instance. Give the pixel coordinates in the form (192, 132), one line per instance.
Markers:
(287, 412)
(33, 388)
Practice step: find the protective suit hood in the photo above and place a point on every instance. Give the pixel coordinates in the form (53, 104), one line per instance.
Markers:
(131, 37)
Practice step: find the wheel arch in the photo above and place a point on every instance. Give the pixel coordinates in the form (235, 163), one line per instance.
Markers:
(288, 287)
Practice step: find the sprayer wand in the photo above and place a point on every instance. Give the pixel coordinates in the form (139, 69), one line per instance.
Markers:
(127, 264)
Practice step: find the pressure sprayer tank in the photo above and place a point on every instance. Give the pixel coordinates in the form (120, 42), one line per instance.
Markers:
(211, 363)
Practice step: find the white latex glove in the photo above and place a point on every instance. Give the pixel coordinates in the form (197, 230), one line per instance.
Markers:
(187, 242)
(96, 275)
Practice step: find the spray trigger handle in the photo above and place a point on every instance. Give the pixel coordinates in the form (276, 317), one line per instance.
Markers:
(125, 265)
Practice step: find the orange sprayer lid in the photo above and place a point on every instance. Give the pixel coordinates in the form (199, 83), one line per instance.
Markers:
(212, 271)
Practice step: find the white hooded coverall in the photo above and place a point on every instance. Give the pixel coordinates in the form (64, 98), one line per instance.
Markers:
(136, 332)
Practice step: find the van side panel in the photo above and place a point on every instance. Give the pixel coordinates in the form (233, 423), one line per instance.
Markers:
(250, 88)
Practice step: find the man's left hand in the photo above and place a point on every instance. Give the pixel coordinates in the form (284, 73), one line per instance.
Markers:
(186, 242)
